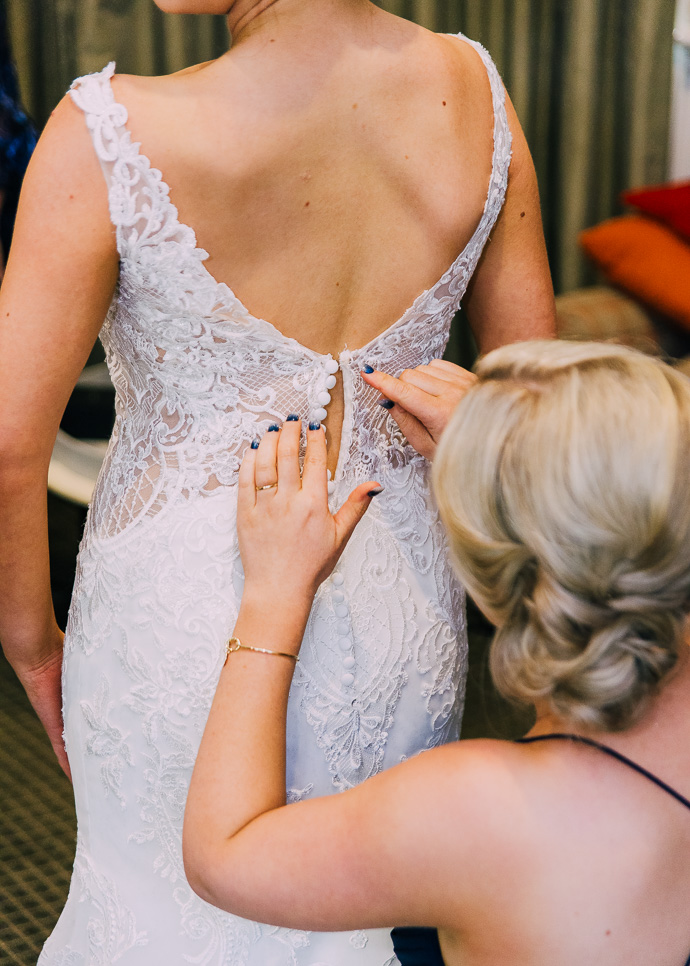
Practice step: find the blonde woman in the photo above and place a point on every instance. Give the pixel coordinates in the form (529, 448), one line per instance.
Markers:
(562, 482)
(262, 231)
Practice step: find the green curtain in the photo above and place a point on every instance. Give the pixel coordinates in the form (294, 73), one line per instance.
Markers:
(591, 84)
(55, 41)
(590, 80)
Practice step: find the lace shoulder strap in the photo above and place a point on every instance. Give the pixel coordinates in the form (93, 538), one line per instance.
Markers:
(140, 208)
(503, 141)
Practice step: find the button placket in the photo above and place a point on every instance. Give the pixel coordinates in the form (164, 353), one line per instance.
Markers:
(323, 397)
(343, 630)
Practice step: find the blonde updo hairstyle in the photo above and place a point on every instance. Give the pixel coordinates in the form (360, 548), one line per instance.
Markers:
(563, 479)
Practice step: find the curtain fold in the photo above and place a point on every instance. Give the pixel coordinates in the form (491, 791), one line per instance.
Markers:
(590, 80)
(55, 41)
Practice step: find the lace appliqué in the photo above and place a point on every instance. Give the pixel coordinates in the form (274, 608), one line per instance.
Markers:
(359, 939)
(112, 929)
(66, 957)
(299, 794)
(106, 741)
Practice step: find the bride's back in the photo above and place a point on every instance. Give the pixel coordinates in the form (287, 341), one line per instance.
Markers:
(332, 171)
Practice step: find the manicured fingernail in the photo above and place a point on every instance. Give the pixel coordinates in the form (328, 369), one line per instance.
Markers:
(273, 428)
(379, 489)
(386, 403)
(315, 425)
(255, 443)
(292, 418)
(368, 370)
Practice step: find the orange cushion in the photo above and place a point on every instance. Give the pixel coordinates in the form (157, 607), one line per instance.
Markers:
(645, 259)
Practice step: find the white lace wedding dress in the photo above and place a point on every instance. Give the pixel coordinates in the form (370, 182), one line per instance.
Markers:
(159, 577)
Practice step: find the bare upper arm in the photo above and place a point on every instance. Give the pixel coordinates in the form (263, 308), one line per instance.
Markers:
(59, 281)
(510, 297)
(407, 847)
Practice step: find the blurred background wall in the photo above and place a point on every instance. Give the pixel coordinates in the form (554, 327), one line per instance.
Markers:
(590, 79)
(679, 166)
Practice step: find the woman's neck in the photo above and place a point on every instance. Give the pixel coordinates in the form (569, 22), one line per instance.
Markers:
(253, 18)
(666, 717)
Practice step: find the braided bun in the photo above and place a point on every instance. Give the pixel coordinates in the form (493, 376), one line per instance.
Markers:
(562, 482)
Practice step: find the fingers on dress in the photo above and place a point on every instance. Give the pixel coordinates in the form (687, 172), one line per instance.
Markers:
(382, 667)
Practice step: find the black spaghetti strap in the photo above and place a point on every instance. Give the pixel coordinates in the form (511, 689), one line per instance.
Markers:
(613, 754)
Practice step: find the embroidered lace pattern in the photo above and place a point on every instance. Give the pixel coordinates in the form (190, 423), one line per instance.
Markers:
(381, 675)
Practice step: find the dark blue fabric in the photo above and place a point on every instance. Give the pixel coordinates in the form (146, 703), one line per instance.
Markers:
(17, 137)
(417, 946)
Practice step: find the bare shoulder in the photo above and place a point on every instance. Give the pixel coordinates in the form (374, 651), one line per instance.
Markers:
(482, 784)
(64, 178)
(473, 819)
(164, 110)
(464, 63)
(66, 139)
(156, 85)
(480, 774)
(464, 59)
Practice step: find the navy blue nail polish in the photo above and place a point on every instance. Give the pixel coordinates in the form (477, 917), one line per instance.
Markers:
(292, 418)
(368, 370)
(273, 428)
(315, 425)
(386, 403)
(255, 444)
(379, 489)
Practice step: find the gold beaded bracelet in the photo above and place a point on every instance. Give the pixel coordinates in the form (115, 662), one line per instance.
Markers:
(235, 644)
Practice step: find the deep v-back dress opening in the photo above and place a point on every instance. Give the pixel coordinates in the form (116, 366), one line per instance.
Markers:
(226, 294)
(159, 578)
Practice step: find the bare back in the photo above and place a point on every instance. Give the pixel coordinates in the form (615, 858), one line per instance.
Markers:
(328, 194)
(331, 183)
(624, 844)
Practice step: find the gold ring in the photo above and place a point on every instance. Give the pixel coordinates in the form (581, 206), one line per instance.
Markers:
(269, 486)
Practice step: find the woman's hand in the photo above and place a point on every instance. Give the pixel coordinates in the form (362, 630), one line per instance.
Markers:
(289, 540)
(289, 543)
(43, 686)
(424, 399)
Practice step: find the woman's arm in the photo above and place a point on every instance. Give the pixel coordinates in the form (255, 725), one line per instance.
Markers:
(510, 296)
(58, 283)
(384, 853)
(228, 790)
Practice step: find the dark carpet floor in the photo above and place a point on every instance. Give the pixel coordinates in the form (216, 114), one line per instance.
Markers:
(37, 821)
